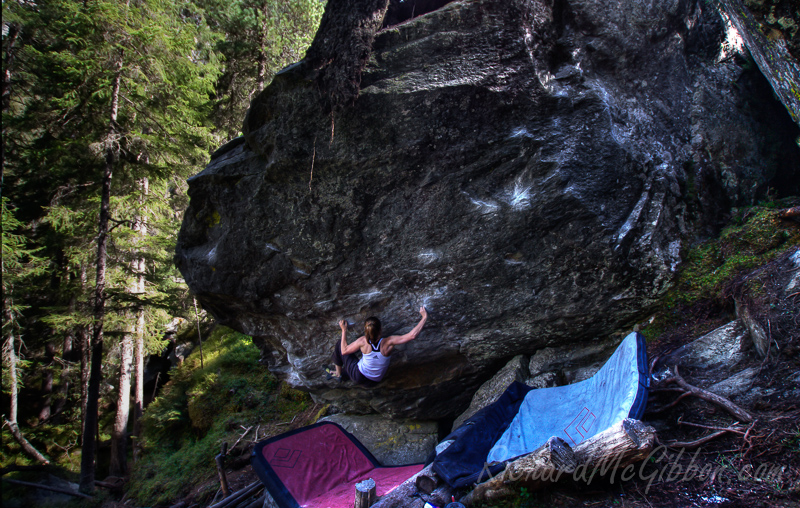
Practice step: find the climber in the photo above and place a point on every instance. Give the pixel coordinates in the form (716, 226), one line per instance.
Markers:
(375, 351)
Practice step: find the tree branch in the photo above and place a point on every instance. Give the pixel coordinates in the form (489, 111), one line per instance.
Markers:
(727, 405)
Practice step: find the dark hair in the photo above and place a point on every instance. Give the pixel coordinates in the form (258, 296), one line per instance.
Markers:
(372, 330)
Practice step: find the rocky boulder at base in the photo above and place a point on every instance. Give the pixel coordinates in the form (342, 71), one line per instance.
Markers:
(529, 170)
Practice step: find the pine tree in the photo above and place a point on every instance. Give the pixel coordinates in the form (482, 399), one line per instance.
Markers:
(113, 93)
(18, 264)
(261, 37)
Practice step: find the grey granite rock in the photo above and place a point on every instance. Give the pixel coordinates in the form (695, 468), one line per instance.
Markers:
(722, 347)
(392, 442)
(515, 370)
(555, 366)
(528, 170)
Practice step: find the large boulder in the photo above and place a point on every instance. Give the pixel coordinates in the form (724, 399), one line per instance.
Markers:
(529, 170)
(391, 442)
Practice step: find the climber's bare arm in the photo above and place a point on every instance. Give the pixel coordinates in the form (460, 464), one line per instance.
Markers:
(394, 340)
(350, 348)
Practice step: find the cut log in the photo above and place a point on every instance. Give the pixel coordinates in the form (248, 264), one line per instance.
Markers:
(406, 495)
(47, 487)
(366, 494)
(623, 444)
(427, 483)
(542, 467)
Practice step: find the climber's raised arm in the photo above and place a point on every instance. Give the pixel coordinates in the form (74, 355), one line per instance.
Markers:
(394, 340)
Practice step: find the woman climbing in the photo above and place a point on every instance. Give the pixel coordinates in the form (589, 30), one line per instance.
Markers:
(375, 351)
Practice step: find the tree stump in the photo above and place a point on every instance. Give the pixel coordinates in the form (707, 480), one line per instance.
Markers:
(365, 494)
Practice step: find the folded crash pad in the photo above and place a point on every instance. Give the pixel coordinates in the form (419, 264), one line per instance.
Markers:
(318, 466)
(523, 419)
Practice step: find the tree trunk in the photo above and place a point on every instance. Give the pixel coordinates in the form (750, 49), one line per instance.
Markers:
(119, 450)
(11, 38)
(135, 337)
(342, 47)
(95, 374)
(138, 380)
(138, 357)
(9, 348)
(47, 383)
(85, 350)
(262, 48)
(66, 355)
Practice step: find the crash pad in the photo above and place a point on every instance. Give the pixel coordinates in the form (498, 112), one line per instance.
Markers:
(523, 419)
(318, 466)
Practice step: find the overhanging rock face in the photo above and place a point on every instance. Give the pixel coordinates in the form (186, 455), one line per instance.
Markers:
(528, 170)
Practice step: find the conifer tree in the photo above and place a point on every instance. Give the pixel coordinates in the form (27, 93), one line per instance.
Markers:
(18, 264)
(261, 37)
(117, 93)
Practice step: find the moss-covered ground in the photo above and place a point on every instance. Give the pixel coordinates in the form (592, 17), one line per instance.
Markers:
(701, 293)
(202, 407)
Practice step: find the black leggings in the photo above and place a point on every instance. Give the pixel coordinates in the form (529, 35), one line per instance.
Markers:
(349, 365)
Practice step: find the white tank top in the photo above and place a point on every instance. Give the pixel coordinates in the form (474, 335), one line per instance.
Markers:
(373, 364)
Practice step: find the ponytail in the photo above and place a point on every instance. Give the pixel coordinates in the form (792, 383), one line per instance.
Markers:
(372, 330)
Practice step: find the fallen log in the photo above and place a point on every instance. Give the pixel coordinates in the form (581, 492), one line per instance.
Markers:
(620, 445)
(426, 484)
(623, 444)
(258, 502)
(543, 466)
(47, 487)
(27, 447)
(13, 467)
(790, 213)
(238, 496)
(406, 494)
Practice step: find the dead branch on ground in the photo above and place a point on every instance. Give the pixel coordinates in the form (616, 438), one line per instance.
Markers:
(724, 403)
(246, 431)
(47, 487)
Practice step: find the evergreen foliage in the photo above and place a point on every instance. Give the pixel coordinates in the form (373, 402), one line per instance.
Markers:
(261, 37)
(133, 94)
(201, 408)
(19, 265)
